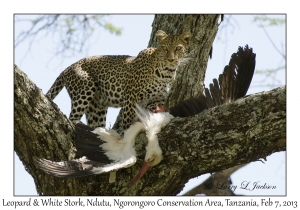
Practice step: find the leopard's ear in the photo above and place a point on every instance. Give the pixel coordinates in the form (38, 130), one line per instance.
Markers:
(186, 36)
(160, 36)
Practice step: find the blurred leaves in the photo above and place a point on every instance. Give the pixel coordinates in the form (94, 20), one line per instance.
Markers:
(268, 21)
(71, 33)
(269, 74)
(113, 29)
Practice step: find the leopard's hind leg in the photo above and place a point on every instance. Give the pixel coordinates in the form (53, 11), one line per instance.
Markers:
(80, 102)
(96, 114)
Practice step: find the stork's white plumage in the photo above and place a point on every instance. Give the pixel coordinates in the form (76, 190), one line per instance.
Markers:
(120, 150)
(153, 123)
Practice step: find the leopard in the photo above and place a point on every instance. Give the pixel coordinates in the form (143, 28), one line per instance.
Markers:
(95, 83)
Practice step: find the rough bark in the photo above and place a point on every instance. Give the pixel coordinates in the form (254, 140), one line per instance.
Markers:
(235, 133)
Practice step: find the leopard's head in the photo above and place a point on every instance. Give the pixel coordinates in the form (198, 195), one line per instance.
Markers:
(172, 49)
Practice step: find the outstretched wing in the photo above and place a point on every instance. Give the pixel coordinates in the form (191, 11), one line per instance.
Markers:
(232, 84)
(81, 167)
(73, 168)
(101, 150)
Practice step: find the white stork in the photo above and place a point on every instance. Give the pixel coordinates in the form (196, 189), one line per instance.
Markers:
(104, 150)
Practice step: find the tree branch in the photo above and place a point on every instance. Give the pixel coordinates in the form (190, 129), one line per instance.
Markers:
(216, 139)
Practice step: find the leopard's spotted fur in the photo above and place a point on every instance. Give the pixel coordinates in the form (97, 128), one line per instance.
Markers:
(98, 82)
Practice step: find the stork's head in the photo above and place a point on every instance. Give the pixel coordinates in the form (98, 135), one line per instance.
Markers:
(151, 159)
(154, 158)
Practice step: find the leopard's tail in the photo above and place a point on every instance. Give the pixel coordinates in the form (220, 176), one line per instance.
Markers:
(56, 87)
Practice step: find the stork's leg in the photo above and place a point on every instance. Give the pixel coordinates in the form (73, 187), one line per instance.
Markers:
(112, 176)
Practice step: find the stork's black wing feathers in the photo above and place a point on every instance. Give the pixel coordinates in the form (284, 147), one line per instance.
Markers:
(247, 66)
(233, 83)
(88, 147)
(189, 107)
(214, 90)
(88, 144)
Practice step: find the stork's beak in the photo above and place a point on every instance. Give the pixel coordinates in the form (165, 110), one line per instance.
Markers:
(141, 173)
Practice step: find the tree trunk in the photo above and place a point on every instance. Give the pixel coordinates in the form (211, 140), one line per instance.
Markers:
(235, 133)
(225, 136)
(190, 77)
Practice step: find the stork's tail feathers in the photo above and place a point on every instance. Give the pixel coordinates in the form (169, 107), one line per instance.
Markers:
(232, 84)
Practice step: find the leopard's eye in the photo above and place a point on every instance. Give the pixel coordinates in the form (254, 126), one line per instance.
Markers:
(178, 47)
(165, 48)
